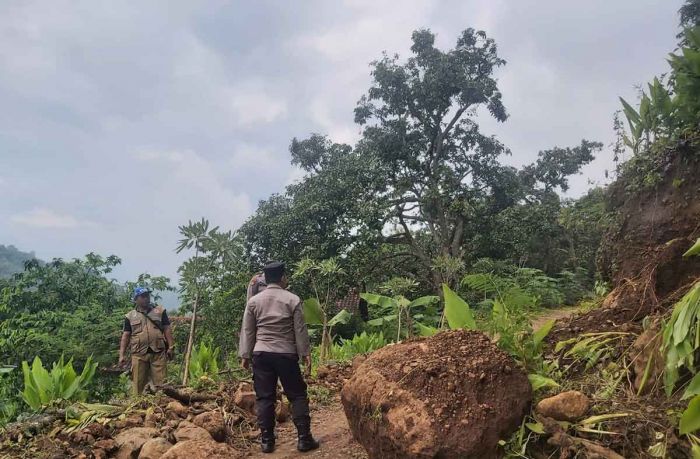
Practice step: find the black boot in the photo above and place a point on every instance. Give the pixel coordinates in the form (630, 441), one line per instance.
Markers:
(267, 440)
(306, 441)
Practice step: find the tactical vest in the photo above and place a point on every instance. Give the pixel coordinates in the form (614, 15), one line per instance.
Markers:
(145, 334)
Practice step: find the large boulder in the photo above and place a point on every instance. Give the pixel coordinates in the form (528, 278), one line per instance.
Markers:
(454, 395)
(201, 449)
(130, 441)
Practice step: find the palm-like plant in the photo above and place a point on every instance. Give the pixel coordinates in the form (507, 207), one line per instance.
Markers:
(325, 278)
(210, 247)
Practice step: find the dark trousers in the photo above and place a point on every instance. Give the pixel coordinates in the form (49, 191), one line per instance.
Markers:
(268, 367)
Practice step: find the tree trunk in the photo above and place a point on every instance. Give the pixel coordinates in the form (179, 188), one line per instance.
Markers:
(190, 340)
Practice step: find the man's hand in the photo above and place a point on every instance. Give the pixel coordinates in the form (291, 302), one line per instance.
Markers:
(122, 361)
(307, 365)
(170, 353)
(245, 363)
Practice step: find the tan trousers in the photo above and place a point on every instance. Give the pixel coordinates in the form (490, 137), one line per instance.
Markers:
(145, 366)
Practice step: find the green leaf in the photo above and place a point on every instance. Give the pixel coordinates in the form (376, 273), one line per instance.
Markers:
(425, 330)
(602, 417)
(694, 250)
(423, 301)
(542, 332)
(536, 427)
(313, 314)
(693, 388)
(538, 382)
(342, 317)
(379, 300)
(690, 419)
(457, 311)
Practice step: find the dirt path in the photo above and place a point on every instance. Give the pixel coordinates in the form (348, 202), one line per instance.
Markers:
(556, 314)
(329, 426)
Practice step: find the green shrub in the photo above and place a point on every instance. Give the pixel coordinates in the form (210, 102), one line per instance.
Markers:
(204, 363)
(43, 388)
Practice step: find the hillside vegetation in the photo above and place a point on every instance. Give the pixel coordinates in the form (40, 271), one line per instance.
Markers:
(419, 242)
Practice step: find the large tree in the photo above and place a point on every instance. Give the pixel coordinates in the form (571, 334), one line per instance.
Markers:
(423, 183)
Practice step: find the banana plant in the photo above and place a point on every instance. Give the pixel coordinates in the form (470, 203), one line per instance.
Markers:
(315, 315)
(325, 278)
(62, 383)
(397, 309)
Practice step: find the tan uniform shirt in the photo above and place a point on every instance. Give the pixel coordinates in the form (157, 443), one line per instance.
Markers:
(273, 321)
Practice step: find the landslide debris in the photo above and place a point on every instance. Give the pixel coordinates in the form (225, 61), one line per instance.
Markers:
(453, 395)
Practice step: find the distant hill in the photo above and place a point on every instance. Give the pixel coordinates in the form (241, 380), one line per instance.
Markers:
(12, 260)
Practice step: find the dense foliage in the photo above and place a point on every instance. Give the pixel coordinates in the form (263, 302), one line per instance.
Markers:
(425, 193)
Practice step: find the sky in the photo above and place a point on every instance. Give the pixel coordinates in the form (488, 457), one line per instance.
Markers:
(120, 121)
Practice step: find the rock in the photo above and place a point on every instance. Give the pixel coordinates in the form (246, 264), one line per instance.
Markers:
(154, 448)
(245, 387)
(176, 408)
(188, 431)
(282, 411)
(567, 406)
(135, 420)
(322, 372)
(130, 441)
(173, 423)
(245, 400)
(647, 347)
(108, 445)
(212, 422)
(393, 414)
(99, 453)
(201, 449)
(152, 419)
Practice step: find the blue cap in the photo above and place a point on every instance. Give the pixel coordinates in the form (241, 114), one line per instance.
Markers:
(138, 291)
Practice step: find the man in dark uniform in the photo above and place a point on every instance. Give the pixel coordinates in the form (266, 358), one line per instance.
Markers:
(274, 337)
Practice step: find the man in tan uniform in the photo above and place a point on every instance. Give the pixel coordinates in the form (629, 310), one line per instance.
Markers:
(147, 329)
(274, 337)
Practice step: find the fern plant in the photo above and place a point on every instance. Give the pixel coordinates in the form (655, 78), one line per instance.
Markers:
(43, 388)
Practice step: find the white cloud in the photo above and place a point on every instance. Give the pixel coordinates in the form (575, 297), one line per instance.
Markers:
(47, 218)
(252, 104)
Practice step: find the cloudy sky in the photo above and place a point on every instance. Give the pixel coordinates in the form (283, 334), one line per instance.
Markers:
(121, 120)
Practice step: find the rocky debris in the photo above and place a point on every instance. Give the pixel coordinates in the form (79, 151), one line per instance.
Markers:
(108, 445)
(282, 411)
(201, 449)
(566, 406)
(245, 399)
(152, 419)
(187, 431)
(131, 440)
(154, 448)
(333, 375)
(212, 422)
(176, 408)
(134, 420)
(452, 395)
(647, 358)
(572, 446)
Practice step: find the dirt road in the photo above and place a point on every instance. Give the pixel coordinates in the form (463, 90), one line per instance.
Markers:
(329, 426)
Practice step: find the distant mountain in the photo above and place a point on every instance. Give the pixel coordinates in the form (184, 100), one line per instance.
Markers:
(12, 260)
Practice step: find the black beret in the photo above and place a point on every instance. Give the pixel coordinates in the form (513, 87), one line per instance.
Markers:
(274, 267)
